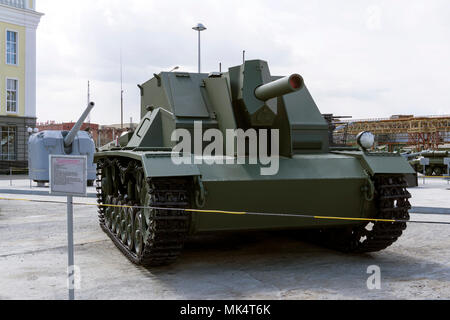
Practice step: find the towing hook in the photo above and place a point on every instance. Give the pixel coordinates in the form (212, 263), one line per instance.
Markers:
(369, 190)
(200, 193)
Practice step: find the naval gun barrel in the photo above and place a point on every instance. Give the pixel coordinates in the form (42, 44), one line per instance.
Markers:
(279, 87)
(68, 140)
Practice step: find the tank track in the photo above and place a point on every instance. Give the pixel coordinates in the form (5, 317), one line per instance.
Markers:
(392, 202)
(163, 235)
(167, 230)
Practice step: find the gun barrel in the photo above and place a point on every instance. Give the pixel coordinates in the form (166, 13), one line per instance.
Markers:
(279, 87)
(73, 133)
(435, 154)
(410, 156)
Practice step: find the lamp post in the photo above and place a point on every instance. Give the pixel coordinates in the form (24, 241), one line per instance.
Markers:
(199, 27)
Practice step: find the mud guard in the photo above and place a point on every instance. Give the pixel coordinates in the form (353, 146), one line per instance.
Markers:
(385, 163)
(160, 164)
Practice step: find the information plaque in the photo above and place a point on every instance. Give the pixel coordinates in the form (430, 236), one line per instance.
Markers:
(425, 161)
(68, 175)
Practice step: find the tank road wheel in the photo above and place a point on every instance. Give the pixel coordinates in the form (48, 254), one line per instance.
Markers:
(107, 185)
(130, 228)
(140, 185)
(119, 219)
(108, 212)
(123, 224)
(115, 216)
(123, 176)
(153, 236)
(438, 171)
(139, 233)
(114, 174)
(392, 202)
(131, 190)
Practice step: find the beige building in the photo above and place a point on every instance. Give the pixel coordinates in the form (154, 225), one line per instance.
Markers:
(18, 23)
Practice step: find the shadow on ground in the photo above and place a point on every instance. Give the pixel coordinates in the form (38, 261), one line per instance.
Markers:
(271, 265)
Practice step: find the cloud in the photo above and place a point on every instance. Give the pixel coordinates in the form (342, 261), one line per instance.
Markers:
(360, 58)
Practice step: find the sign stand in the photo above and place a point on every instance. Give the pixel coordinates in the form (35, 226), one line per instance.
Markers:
(71, 261)
(68, 177)
(447, 162)
(424, 162)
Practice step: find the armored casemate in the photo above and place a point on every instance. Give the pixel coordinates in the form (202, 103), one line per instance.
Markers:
(74, 142)
(165, 201)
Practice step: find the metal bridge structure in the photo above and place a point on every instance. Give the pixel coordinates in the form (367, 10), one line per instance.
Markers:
(421, 133)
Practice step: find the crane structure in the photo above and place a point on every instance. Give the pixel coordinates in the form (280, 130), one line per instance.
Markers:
(421, 133)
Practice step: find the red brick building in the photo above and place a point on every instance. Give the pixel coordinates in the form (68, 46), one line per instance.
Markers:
(100, 134)
(51, 125)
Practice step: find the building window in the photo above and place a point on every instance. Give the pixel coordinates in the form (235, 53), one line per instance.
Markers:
(11, 95)
(14, 3)
(11, 47)
(8, 148)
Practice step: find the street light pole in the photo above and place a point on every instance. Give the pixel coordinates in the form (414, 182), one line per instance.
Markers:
(199, 53)
(121, 90)
(199, 27)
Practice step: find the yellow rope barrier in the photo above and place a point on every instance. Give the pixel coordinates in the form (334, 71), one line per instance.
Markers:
(435, 177)
(355, 219)
(215, 211)
(231, 212)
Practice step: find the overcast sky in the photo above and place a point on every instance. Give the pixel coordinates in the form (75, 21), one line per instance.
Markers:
(359, 58)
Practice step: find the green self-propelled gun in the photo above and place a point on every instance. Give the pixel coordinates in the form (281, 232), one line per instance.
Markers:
(436, 163)
(143, 192)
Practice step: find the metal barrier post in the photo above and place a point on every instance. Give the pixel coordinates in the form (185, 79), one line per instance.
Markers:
(10, 177)
(74, 167)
